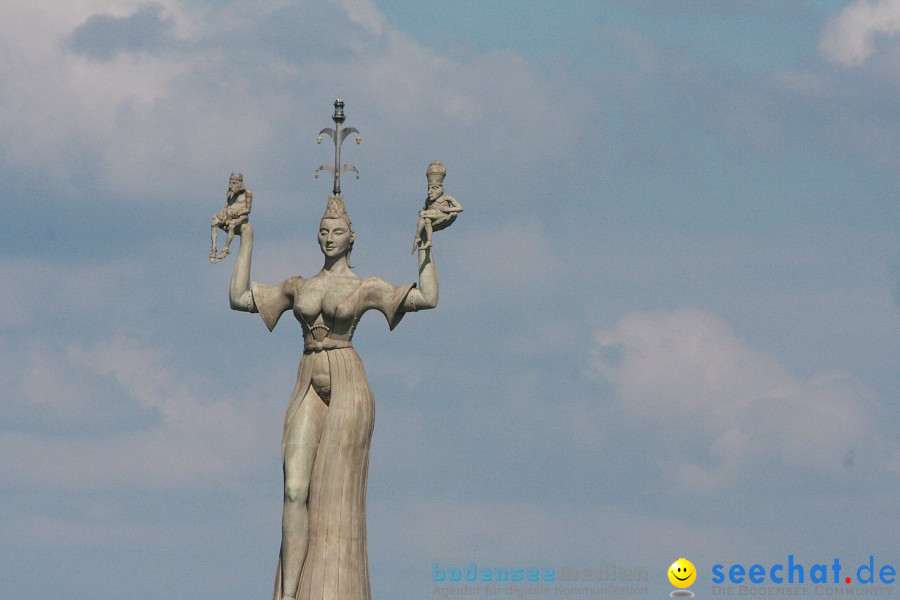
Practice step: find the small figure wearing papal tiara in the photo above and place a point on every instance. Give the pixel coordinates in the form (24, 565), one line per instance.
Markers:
(440, 209)
(238, 203)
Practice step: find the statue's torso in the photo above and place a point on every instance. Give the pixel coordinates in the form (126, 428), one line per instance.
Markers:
(327, 311)
(323, 300)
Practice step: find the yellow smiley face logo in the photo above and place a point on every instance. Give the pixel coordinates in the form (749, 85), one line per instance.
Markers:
(682, 573)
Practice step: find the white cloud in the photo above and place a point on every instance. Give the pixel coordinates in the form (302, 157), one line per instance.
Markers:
(197, 441)
(133, 118)
(209, 96)
(721, 411)
(365, 13)
(849, 38)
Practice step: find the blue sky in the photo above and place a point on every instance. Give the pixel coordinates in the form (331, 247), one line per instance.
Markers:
(670, 314)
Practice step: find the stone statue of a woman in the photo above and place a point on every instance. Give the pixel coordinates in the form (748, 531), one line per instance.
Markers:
(328, 425)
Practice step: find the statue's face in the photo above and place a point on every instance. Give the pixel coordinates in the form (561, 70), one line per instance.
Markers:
(334, 237)
(233, 187)
(435, 191)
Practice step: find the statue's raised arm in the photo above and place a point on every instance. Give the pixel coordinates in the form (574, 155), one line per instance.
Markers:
(426, 295)
(239, 294)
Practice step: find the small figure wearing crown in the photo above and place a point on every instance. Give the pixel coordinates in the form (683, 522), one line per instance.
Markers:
(236, 212)
(440, 209)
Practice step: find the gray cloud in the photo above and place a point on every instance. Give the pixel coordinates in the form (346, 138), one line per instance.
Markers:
(105, 36)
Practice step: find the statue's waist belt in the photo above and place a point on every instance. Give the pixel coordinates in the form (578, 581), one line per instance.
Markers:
(311, 346)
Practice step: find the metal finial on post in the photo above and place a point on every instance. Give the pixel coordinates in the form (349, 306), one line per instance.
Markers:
(338, 135)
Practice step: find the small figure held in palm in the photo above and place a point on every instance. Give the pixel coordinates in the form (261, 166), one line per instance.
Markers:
(236, 213)
(440, 209)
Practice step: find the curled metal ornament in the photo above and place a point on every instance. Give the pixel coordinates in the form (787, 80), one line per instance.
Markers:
(338, 134)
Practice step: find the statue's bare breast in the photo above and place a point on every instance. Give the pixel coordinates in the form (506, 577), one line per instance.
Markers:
(319, 297)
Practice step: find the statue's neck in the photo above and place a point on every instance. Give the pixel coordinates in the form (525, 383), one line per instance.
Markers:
(337, 265)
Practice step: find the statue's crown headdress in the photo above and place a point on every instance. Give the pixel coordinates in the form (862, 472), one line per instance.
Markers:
(335, 209)
(237, 177)
(436, 172)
